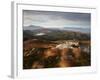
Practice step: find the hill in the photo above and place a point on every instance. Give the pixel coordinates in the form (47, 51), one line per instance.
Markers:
(54, 34)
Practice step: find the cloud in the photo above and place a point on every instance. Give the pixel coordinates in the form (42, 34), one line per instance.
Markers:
(56, 19)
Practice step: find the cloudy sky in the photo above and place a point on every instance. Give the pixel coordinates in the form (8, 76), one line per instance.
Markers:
(49, 19)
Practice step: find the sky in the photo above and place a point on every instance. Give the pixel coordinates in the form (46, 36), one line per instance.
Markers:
(53, 19)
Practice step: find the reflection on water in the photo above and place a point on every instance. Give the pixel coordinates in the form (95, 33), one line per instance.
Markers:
(85, 48)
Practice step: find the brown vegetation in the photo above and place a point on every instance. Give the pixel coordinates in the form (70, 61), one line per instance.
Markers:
(42, 54)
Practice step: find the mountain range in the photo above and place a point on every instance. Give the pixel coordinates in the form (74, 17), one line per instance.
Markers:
(37, 32)
(77, 29)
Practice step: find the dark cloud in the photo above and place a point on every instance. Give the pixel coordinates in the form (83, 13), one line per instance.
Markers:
(66, 15)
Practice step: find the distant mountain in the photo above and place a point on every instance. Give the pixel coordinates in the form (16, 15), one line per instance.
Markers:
(31, 27)
(83, 30)
(39, 28)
